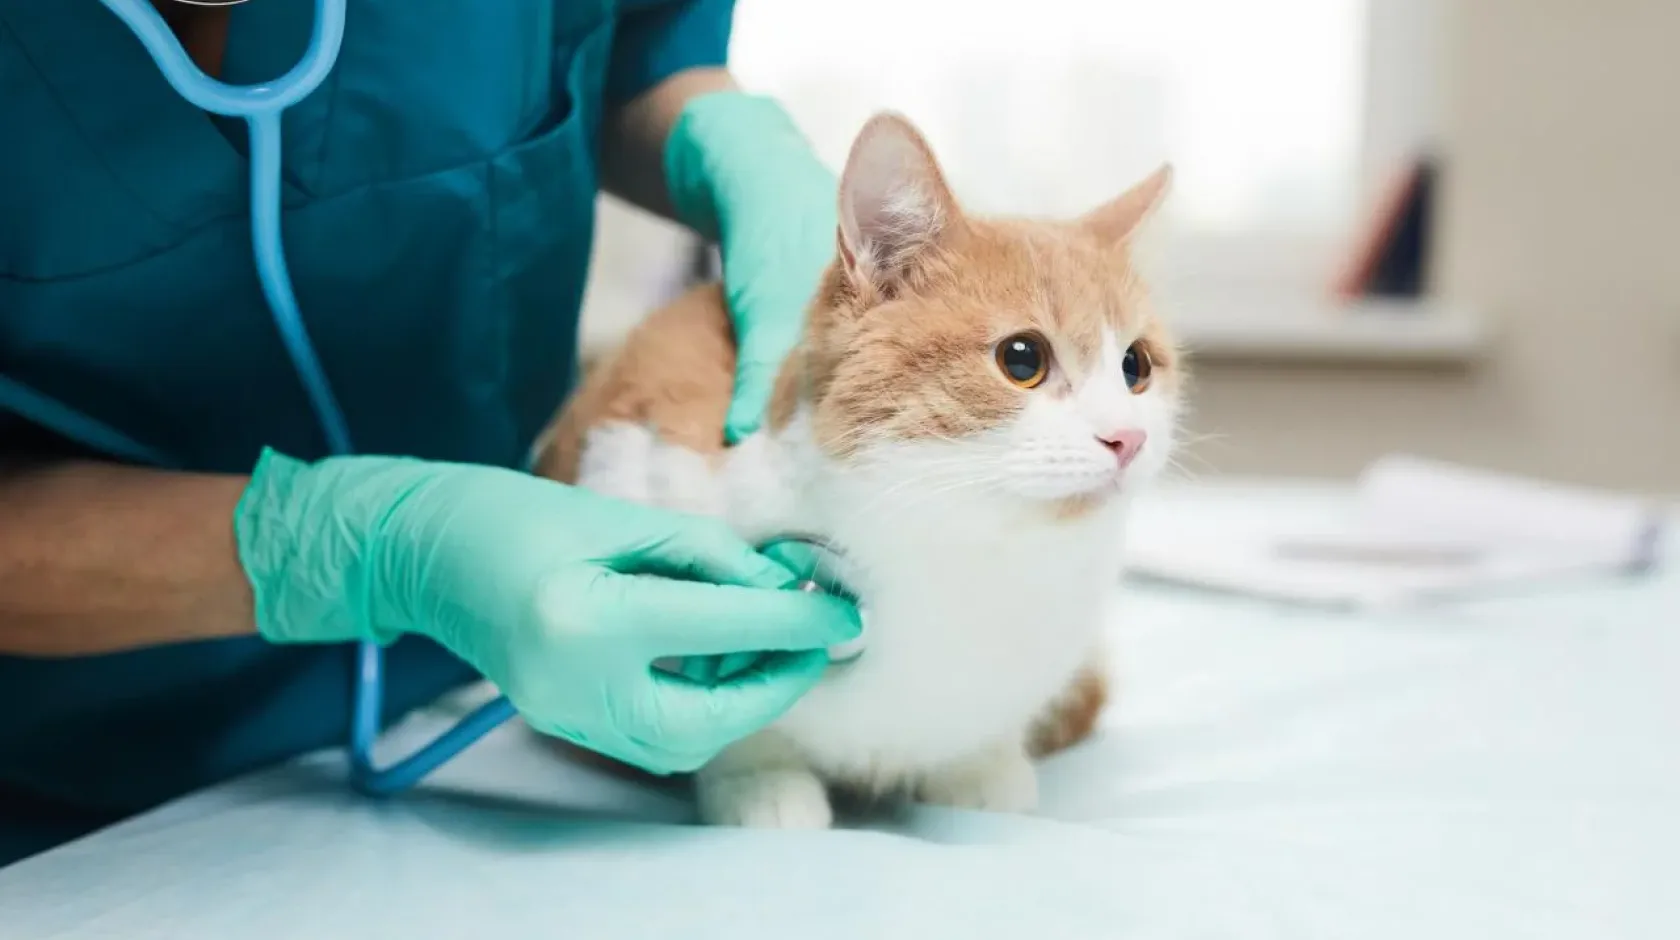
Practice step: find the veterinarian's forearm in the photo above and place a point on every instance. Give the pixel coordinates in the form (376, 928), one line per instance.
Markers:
(633, 142)
(98, 558)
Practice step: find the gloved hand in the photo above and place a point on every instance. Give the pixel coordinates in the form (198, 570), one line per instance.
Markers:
(738, 170)
(560, 597)
(807, 564)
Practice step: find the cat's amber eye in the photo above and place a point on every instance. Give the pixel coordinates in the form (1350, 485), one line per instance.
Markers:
(1024, 359)
(1137, 367)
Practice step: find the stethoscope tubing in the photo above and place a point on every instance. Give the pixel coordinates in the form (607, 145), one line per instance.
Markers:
(261, 106)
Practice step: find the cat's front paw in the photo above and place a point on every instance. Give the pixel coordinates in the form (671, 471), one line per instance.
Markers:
(1002, 780)
(779, 798)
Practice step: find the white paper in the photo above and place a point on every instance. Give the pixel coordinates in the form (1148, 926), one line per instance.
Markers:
(1415, 531)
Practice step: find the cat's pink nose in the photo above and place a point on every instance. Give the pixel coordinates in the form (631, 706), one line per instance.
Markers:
(1125, 445)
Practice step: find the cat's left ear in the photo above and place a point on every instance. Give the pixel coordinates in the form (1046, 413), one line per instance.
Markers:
(1117, 220)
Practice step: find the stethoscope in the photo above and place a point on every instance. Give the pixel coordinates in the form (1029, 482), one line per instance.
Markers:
(261, 106)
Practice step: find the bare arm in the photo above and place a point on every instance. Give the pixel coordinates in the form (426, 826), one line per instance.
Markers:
(98, 558)
(633, 144)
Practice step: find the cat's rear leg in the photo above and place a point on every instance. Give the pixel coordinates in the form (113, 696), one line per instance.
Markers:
(763, 782)
(1000, 778)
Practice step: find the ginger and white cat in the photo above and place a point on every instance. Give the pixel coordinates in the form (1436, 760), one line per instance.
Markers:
(973, 406)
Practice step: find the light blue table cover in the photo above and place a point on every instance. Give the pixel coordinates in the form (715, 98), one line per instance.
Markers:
(1494, 769)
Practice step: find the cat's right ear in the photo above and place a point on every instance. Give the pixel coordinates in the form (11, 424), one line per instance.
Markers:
(894, 204)
(1116, 221)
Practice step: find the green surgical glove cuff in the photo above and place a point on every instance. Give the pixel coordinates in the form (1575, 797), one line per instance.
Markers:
(732, 154)
(739, 171)
(303, 534)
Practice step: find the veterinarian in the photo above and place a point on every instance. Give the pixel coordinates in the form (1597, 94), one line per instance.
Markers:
(183, 567)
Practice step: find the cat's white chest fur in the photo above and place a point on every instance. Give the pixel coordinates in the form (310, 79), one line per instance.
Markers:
(977, 610)
(964, 647)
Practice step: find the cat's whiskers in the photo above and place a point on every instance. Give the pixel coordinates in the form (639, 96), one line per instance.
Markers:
(908, 487)
(884, 509)
(883, 499)
(931, 470)
(1177, 467)
(851, 436)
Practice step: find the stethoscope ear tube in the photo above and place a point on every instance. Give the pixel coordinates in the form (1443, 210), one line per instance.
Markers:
(261, 107)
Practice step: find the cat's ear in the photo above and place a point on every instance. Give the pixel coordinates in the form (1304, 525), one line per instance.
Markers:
(894, 203)
(1117, 220)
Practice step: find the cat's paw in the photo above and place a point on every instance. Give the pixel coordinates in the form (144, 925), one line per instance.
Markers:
(779, 798)
(1001, 781)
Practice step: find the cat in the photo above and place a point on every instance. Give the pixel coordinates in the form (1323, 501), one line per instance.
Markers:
(974, 404)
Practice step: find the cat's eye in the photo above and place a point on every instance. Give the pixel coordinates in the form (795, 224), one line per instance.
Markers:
(1137, 367)
(1024, 359)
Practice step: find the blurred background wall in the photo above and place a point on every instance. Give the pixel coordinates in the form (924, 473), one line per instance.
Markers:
(1559, 224)
(1551, 310)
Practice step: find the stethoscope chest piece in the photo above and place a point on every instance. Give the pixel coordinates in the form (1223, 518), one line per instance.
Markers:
(844, 652)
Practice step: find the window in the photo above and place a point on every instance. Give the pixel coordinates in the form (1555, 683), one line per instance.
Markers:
(1283, 119)
(1286, 120)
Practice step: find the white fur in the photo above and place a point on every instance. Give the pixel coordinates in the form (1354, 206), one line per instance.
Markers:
(999, 778)
(980, 604)
(681, 479)
(617, 460)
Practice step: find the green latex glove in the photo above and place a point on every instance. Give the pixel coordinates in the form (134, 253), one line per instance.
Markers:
(561, 597)
(739, 171)
(807, 564)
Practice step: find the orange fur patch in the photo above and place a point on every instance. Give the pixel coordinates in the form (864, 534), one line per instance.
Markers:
(1072, 717)
(915, 361)
(674, 374)
(920, 364)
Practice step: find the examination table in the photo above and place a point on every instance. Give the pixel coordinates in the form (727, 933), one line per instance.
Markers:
(1493, 768)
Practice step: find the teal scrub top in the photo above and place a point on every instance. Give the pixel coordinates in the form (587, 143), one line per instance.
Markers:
(439, 197)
